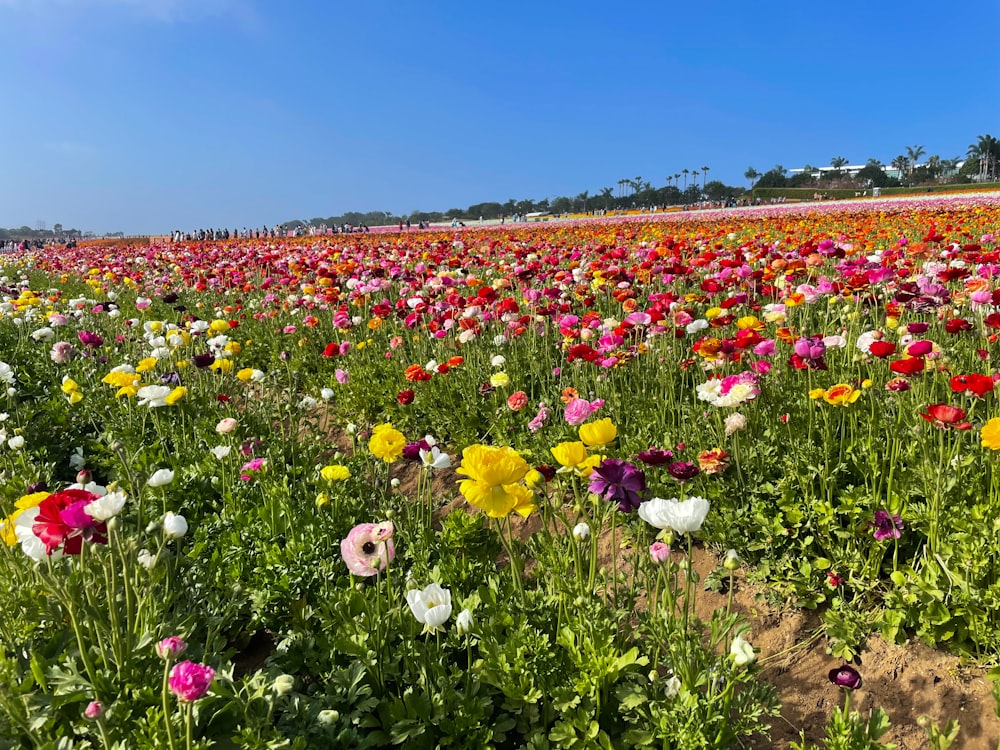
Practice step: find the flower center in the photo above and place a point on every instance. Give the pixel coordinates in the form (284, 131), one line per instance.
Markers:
(368, 548)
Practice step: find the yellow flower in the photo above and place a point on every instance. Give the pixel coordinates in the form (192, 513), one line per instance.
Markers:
(145, 365)
(175, 395)
(221, 365)
(130, 391)
(534, 479)
(121, 379)
(7, 525)
(386, 443)
(245, 374)
(570, 455)
(841, 395)
(219, 326)
(817, 393)
(499, 380)
(335, 473)
(494, 483)
(713, 312)
(322, 499)
(750, 321)
(72, 390)
(234, 347)
(598, 434)
(991, 434)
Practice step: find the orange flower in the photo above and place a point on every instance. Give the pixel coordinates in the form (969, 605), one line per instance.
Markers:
(713, 461)
(569, 394)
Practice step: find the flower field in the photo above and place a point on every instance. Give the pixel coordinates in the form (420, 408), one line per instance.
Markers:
(443, 489)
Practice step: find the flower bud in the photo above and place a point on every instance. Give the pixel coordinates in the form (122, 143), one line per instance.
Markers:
(732, 561)
(170, 648)
(283, 684)
(94, 710)
(328, 716)
(464, 622)
(581, 531)
(175, 526)
(83, 477)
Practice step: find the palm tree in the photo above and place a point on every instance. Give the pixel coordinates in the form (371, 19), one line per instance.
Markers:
(607, 194)
(900, 163)
(704, 175)
(752, 175)
(987, 151)
(837, 162)
(912, 154)
(677, 178)
(685, 172)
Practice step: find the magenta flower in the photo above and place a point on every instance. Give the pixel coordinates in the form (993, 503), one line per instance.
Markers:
(579, 410)
(251, 466)
(845, 677)
(89, 339)
(171, 648)
(682, 471)
(368, 548)
(618, 481)
(886, 526)
(190, 681)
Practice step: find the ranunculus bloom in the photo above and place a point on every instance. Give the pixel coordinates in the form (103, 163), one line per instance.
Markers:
(171, 647)
(190, 681)
(405, 397)
(945, 415)
(886, 526)
(683, 516)
(386, 443)
(682, 471)
(714, 461)
(494, 481)
(978, 385)
(598, 434)
(175, 526)
(659, 551)
(226, 425)
(431, 606)
(655, 456)
(578, 411)
(846, 677)
(909, 366)
(62, 522)
(882, 349)
(335, 473)
(368, 548)
(517, 400)
(160, 478)
(841, 394)
(618, 481)
(991, 434)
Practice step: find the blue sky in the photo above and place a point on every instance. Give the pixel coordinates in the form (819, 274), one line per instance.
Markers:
(149, 115)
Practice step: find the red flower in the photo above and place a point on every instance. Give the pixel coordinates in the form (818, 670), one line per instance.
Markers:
(582, 351)
(882, 349)
(945, 415)
(976, 384)
(911, 366)
(405, 397)
(62, 521)
(957, 325)
(331, 350)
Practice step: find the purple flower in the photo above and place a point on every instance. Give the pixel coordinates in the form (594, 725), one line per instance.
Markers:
(202, 361)
(683, 470)
(190, 681)
(89, 338)
(411, 451)
(886, 526)
(618, 481)
(655, 456)
(845, 677)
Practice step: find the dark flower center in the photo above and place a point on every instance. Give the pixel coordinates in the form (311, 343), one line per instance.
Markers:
(368, 548)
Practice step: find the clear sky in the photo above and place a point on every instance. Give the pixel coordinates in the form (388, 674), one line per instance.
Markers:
(150, 115)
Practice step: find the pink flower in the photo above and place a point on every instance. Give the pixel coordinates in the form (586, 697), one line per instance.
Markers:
(171, 648)
(660, 552)
(250, 466)
(342, 376)
(579, 410)
(368, 548)
(190, 681)
(226, 425)
(62, 352)
(90, 339)
(94, 710)
(543, 414)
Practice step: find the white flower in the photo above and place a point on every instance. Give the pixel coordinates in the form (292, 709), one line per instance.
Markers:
(31, 545)
(466, 336)
(307, 402)
(174, 526)
(77, 460)
(161, 478)
(434, 458)
(696, 325)
(6, 373)
(106, 507)
(735, 422)
(221, 451)
(92, 487)
(146, 559)
(43, 334)
(498, 361)
(683, 516)
(431, 607)
(581, 532)
(673, 686)
(153, 395)
(16, 442)
(464, 622)
(326, 393)
(742, 652)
